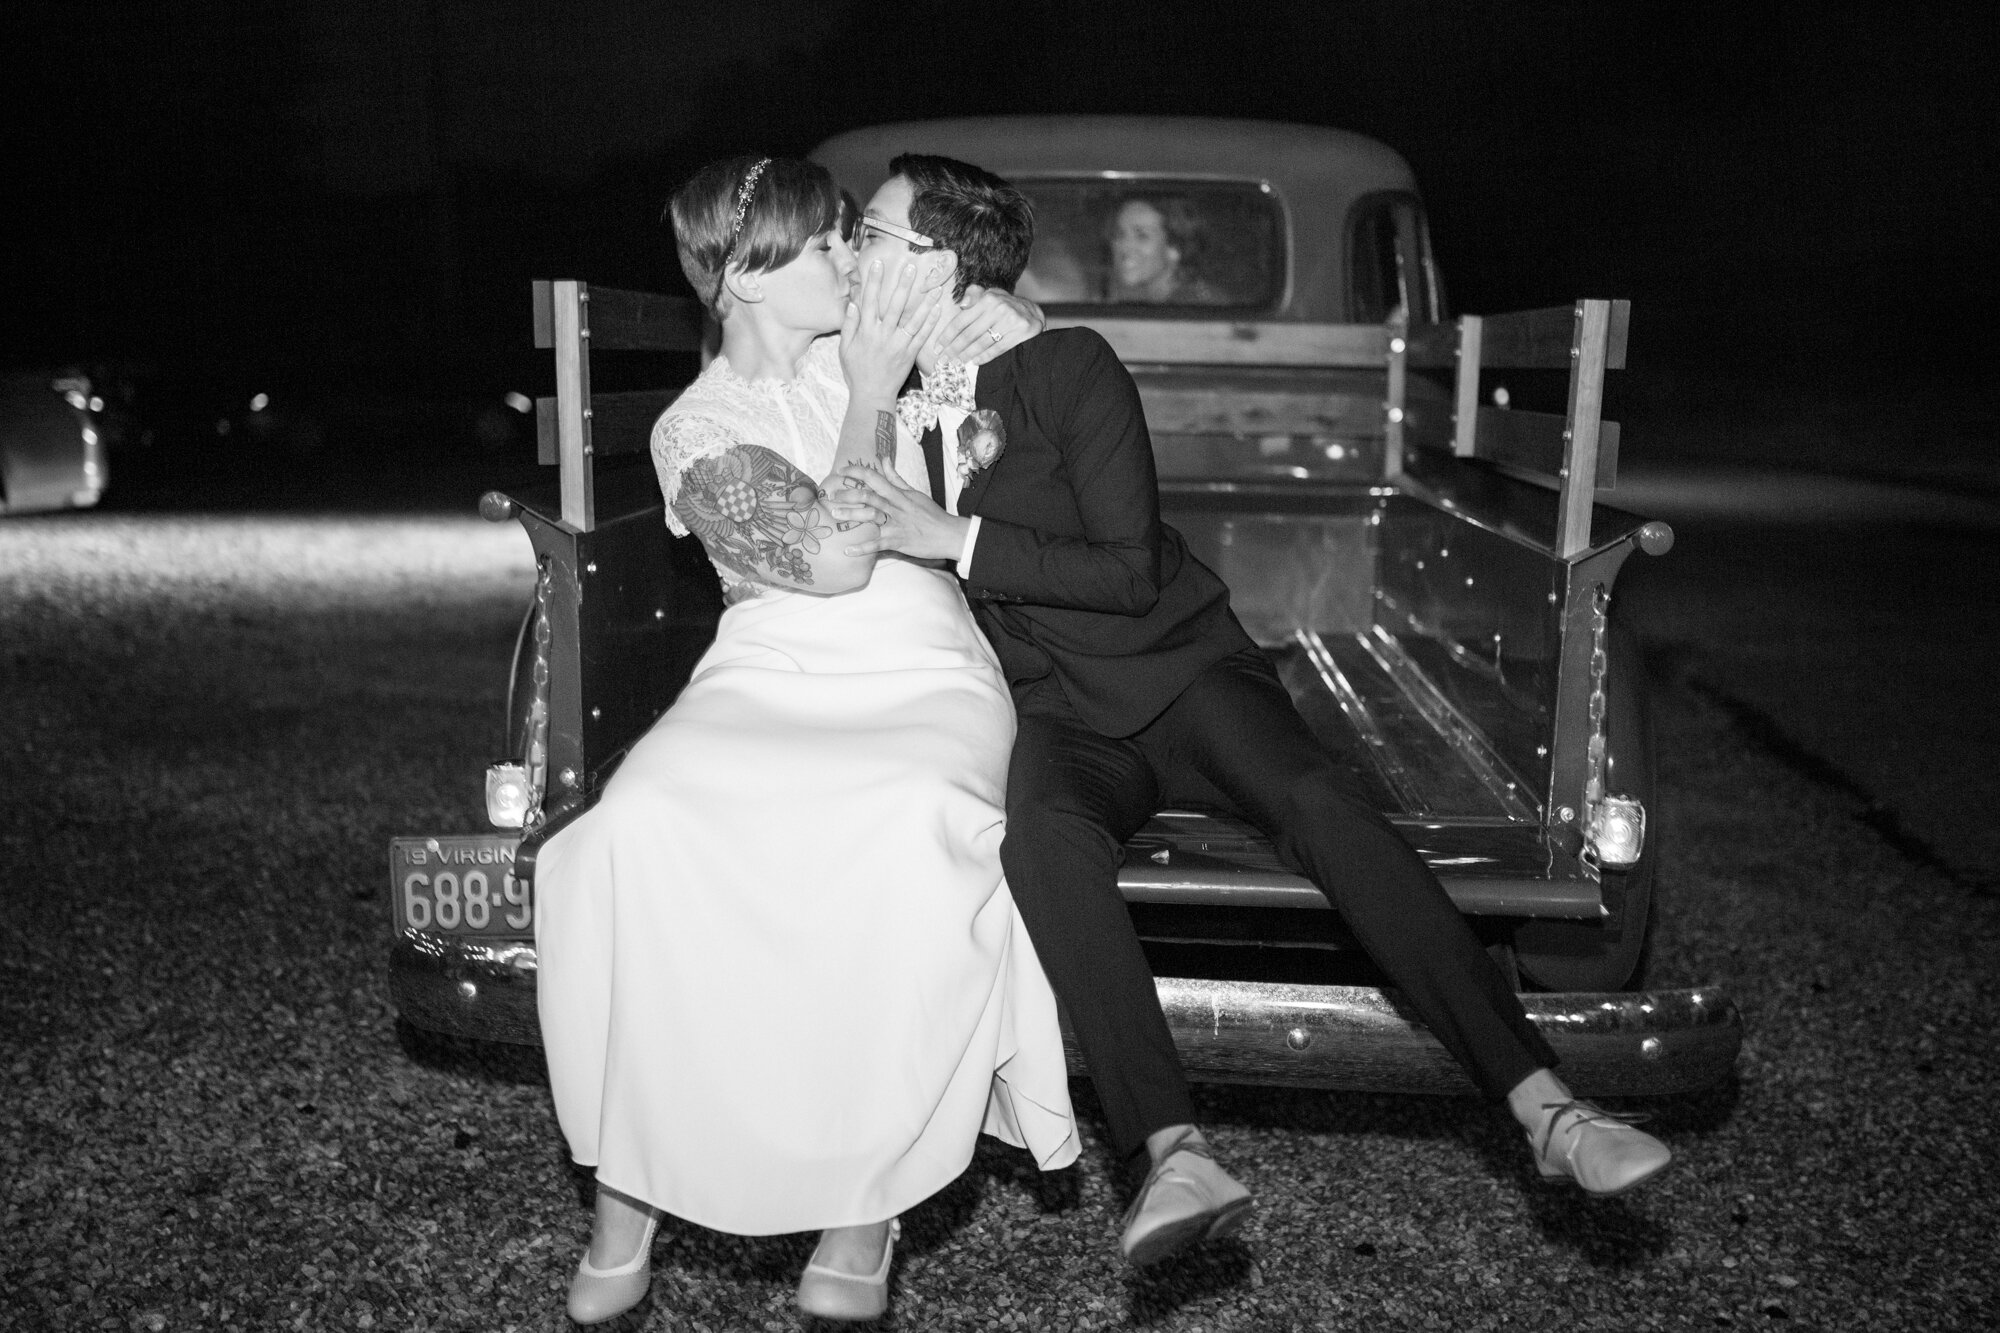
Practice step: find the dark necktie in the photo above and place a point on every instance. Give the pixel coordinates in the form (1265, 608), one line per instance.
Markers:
(933, 442)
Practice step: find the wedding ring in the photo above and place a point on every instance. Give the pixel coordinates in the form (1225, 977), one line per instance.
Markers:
(994, 334)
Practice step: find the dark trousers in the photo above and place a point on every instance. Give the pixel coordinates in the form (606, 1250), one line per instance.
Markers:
(1073, 798)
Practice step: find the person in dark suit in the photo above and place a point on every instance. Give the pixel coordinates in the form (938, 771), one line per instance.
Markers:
(1136, 687)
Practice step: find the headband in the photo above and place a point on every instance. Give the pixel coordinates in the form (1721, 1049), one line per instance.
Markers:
(744, 194)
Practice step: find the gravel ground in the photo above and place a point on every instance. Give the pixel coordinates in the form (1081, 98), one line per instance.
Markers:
(213, 1119)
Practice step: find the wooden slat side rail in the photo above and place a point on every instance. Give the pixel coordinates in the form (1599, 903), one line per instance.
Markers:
(1541, 339)
(629, 321)
(620, 423)
(1533, 442)
(1527, 339)
(1578, 450)
(1217, 342)
(1248, 413)
(570, 330)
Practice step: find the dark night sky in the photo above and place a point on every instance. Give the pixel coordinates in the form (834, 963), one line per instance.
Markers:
(1798, 188)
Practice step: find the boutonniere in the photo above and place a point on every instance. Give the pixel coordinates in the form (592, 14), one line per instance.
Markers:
(982, 438)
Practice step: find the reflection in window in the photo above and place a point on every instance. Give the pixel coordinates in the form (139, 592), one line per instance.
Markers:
(1154, 242)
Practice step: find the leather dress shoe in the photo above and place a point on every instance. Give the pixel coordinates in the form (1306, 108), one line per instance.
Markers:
(1600, 1150)
(1186, 1197)
(598, 1294)
(849, 1297)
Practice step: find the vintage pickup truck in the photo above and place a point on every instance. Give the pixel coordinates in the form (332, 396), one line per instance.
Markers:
(1432, 573)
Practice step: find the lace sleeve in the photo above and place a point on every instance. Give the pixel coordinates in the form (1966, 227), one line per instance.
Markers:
(680, 440)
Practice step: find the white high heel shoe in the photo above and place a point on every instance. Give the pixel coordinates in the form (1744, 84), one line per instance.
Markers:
(598, 1294)
(849, 1297)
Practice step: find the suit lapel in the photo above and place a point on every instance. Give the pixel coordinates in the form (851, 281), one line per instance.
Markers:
(994, 392)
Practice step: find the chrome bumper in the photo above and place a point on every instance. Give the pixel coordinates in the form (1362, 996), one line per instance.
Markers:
(1352, 1038)
(1347, 1038)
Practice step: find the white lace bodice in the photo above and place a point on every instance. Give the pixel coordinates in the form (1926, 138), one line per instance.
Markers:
(797, 419)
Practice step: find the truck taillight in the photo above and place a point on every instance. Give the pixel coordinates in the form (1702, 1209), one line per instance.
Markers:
(1618, 830)
(508, 795)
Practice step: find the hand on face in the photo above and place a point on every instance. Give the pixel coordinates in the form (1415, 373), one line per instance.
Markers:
(988, 323)
(886, 324)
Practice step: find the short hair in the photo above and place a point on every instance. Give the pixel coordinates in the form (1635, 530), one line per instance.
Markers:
(792, 201)
(988, 223)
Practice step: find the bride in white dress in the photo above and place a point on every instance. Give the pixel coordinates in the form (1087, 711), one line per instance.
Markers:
(782, 982)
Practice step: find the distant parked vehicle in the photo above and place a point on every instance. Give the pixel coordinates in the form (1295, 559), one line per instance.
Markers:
(52, 452)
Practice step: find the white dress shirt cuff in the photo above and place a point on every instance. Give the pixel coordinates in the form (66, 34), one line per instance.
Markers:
(965, 553)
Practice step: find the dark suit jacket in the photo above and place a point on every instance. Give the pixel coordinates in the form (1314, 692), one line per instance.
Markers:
(1074, 576)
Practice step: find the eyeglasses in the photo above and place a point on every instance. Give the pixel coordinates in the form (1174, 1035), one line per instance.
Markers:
(872, 223)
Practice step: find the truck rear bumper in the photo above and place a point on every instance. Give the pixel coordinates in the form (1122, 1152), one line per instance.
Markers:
(1353, 1038)
(1346, 1038)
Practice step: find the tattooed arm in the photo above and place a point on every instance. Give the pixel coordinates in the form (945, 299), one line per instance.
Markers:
(758, 515)
(769, 522)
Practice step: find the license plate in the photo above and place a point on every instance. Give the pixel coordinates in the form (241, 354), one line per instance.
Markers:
(462, 884)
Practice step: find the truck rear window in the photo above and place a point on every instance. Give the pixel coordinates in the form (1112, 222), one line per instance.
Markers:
(1154, 241)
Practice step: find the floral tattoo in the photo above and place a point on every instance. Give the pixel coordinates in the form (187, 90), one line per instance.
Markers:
(757, 514)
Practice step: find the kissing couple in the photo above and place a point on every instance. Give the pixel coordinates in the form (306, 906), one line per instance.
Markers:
(809, 943)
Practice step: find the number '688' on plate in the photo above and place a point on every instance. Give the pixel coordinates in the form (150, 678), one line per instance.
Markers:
(459, 885)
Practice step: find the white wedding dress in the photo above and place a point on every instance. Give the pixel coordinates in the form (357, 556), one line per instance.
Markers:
(782, 982)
